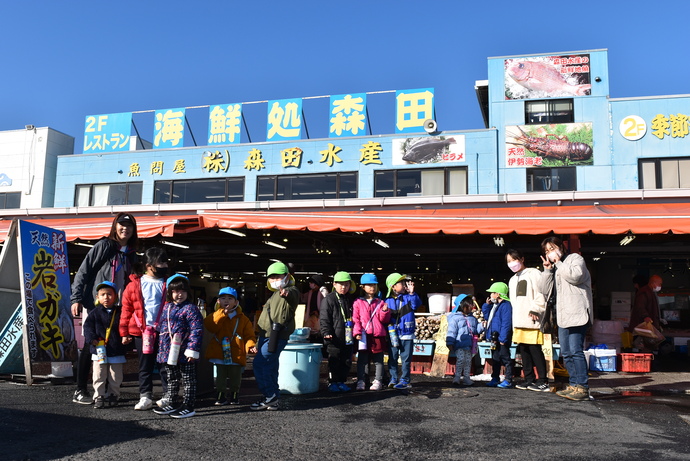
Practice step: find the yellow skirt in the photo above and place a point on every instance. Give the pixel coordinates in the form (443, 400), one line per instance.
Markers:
(525, 336)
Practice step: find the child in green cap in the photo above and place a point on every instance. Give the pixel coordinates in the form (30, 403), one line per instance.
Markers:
(403, 302)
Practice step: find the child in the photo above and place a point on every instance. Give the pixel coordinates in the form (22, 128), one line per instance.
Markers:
(142, 306)
(180, 317)
(370, 315)
(276, 323)
(101, 326)
(499, 330)
(462, 328)
(403, 302)
(335, 320)
(230, 326)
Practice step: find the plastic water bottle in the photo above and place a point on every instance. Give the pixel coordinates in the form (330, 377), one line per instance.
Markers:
(100, 352)
(227, 351)
(348, 332)
(148, 339)
(395, 341)
(175, 349)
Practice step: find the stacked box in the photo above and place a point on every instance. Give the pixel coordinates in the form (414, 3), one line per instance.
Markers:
(421, 364)
(636, 363)
(620, 306)
(602, 360)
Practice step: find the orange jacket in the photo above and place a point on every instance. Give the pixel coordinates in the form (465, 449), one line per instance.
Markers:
(220, 326)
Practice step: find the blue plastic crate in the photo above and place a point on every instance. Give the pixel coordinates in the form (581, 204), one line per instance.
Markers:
(602, 362)
(423, 347)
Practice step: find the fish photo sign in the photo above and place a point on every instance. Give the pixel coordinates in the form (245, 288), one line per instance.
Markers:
(429, 149)
(564, 144)
(547, 77)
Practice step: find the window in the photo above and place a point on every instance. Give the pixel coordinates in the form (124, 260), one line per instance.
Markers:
(428, 181)
(199, 190)
(668, 173)
(10, 200)
(126, 193)
(551, 179)
(306, 187)
(549, 111)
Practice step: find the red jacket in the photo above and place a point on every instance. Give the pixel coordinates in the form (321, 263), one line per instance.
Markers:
(133, 306)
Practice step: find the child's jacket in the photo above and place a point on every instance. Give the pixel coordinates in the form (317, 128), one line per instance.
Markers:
(362, 312)
(184, 319)
(459, 335)
(95, 327)
(240, 331)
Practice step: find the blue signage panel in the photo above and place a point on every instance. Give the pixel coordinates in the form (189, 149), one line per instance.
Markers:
(168, 128)
(284, 120)
(107, 133)
(348, 116)
(412, 107)
(224, 123)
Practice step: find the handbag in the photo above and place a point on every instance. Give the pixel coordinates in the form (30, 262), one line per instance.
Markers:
(363, 341)
(474, 348)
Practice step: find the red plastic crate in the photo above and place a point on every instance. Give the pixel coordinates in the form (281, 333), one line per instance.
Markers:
(421, 364)
(636, 363)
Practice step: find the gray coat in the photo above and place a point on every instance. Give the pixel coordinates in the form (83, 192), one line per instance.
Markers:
(573, 291)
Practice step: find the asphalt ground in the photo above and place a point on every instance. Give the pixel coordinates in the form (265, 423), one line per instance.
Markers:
(433, 421)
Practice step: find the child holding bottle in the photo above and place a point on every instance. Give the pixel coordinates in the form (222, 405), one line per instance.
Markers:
(463, 330)
(233, 336)
(370, 316)
(179, 347)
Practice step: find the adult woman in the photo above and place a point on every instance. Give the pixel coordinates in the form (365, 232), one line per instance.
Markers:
(528, 312)
(566, 277)
(111, 259)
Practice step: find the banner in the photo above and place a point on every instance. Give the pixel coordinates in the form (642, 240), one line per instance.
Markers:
(45, 291)
(107, 133)
(284, 120)
(547, 77)
(553, 145)
(168, 128)
(348, 115)
(224, 124)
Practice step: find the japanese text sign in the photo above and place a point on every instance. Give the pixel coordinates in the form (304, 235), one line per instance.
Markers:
(224, 124)
(168, 128)
(107, 133)
(348, 115)
(284, 120)
(412, 107)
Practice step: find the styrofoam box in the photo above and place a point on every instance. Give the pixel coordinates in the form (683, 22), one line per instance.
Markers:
(680, 340)
(602, 359)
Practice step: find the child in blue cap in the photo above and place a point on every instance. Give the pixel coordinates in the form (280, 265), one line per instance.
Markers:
(463, 330)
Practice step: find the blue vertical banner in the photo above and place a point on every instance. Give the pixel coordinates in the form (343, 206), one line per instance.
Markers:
(168, 128)
(348, 115)
(224, 124)
(412, 107)
(44, 273)
(284, 120)
(107, 133)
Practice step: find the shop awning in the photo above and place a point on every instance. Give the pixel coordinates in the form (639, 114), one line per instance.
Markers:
(88, 228)
(532, 220)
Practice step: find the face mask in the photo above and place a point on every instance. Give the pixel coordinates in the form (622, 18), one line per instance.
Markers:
(514, 266)
(279, 284)
(494, 300)
(553, 255)
(657, 289)
(160, 272)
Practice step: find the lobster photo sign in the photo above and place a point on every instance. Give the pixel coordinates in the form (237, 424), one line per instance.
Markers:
(554, 145)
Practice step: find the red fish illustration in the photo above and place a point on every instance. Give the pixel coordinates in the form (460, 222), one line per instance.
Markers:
(540, 76)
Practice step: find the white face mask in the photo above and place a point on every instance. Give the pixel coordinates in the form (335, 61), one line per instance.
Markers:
(514, 265)
(657, 289)
(494, 300)
(279, 284)
(553, 255)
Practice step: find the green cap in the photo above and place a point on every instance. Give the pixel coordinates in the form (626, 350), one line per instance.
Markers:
(500, 288)
(343, 276)
(277, 268)
(392, 280)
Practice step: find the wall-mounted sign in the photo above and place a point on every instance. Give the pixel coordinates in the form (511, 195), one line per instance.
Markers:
(428, 149)
(564, 144)
(107, 133)
(284, 120)
(348, 115)
(412, 108)
(168, 128)
(547, 77)
(224, 123)
(632, 128)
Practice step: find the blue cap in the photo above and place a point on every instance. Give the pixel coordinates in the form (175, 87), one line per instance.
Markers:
(368, 279)
(108, 284)
(458, 299)
(228, 291)
(175, 276)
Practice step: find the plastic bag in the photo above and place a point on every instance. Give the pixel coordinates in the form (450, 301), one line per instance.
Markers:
(650, 333)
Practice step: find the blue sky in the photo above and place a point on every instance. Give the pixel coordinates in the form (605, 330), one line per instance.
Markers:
(64, 60)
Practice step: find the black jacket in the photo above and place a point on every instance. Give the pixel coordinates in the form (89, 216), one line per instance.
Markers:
(331, 318)
(102, 263)
(95, 328)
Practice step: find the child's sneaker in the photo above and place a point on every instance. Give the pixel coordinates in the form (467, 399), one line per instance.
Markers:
(493, 383)
(543, 387)
(82, 397)
(505, 384)
(523, 385)
(402, 384)
(221, 400)
(344, 387)
(361, 385)
(234, 398)
(99, 403)
(468, 381)
(333, 387)
(376, 385)
(112, 400)
(183, 412)
(269, 403)
(392, 383)
(144, 403)
(456, 381)
(163, 403)
(166, 410)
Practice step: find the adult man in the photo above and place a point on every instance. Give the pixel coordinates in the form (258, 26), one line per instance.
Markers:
(646, 306)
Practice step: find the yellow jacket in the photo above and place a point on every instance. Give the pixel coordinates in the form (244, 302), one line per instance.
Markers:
(220, 326)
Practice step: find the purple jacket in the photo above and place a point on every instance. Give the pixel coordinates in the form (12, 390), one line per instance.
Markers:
(361, 313)
(185, 319)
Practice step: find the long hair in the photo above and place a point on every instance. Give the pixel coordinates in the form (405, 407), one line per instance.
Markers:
(133, 242)
(555, 241)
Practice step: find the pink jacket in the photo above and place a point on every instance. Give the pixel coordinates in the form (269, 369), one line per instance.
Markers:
(362, 312)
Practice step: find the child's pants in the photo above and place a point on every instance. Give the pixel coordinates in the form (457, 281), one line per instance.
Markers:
(266, 365)
(339, 363)
(185, 373)
(107, 373)
(501, 356)
(233, 372)
(363, 358)
(405, 354)
(463, 362)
